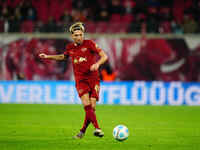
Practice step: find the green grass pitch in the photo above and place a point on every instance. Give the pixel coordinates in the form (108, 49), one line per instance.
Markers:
(51, 127)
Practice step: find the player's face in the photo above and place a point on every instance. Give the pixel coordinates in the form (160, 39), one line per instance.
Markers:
(78, 36)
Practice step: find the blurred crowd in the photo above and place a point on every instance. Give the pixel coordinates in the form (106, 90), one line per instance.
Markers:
(102, 16)
(136, 59)
(21, 61)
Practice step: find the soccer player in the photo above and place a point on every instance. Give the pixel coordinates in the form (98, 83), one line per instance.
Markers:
(85, 67)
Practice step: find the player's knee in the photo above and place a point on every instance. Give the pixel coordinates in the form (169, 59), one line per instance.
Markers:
(93, 103)
(93, 106)
(85, 99)
(86, 103)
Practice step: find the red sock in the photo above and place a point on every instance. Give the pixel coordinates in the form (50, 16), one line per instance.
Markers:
(85, 124)
(91, 116)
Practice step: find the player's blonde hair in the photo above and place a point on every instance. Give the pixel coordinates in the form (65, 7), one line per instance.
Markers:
(76, 26)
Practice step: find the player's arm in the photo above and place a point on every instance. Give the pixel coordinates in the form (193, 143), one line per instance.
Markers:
(102, 60)
(54, 57)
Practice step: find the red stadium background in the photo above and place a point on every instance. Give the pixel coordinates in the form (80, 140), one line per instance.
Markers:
(129, 58)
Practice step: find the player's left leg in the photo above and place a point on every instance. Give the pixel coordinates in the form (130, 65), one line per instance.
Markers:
(98, 132)
(93, 102)
(94, 97)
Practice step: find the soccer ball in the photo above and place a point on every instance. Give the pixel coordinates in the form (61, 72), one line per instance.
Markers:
(120, 132)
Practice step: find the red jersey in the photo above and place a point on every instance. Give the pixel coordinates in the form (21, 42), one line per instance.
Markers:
(83, 56)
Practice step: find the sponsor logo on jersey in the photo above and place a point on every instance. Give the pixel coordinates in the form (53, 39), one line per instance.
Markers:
(81, 59)
(75, 61)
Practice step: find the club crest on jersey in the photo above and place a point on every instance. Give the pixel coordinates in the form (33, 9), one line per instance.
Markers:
(71, 53)
(84, 49)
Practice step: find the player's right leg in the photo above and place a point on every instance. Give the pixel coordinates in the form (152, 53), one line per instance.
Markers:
(86, 103)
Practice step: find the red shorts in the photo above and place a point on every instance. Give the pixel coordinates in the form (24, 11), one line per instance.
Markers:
(91, 86)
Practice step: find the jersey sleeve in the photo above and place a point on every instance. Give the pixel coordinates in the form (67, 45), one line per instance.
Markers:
(94, 47)
(66, 53)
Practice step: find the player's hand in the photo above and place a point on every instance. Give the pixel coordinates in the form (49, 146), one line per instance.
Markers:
(94, 67)
(42, 55)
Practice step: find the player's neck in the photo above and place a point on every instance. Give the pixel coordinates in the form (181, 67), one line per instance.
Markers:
(77, 44)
